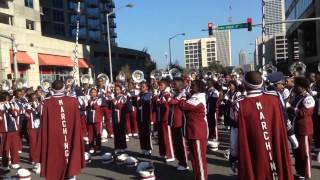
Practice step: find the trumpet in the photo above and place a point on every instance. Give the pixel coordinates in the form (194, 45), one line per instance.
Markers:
(138, 76)
(105, 78)
(298, 67)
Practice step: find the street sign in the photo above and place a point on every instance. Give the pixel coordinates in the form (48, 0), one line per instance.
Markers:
(232, 26)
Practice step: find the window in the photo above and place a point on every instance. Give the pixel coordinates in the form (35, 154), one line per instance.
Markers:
(6, 19)
(30, 24)
(28, 3)
(57, 3)
(58, 16)
(59, 29)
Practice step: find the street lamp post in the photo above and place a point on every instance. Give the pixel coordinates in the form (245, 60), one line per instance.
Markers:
(14, 53)
(180, 34)
(109, 40)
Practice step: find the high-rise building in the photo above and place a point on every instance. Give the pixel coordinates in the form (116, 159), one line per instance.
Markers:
(200, 53)
(223, 47)
(242, 57)
(274, 12)
(59, 19)
(304, 37)
(50, 54)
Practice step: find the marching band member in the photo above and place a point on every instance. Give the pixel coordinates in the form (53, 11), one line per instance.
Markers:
(83, 104)
(164, 130)
(131, 116)
(316, 114)
(229, 98)
(177, 122)
(302, 108)
(197, 129)
(105, 93)
(33, 126)
(212, 114)
(61, 144)
(144, 118)
(21, 103)
(119, 110)
(10, 138)
(94, 121)
(155, 92)
(258, 137)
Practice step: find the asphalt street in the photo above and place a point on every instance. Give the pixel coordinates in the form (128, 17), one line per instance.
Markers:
(218, 166)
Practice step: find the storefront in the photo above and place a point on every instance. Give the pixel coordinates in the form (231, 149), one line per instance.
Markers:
(54, 67)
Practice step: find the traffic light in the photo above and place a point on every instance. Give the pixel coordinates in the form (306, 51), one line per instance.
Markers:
(210, 29)
(249, 21)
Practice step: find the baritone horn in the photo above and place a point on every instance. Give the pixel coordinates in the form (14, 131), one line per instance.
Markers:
(269, 69)
(138, 76)
(21, 83)
(5, 85)
(86, 79)
(121, 77)
(105, 78)
(298, 69)
(45, 85)
(156, 74)
(175, 73)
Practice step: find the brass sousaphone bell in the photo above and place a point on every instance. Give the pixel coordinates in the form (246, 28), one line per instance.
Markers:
(138, 76)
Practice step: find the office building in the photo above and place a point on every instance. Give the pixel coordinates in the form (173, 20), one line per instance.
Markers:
(200, 53)
(223, 47)
(242, 58)
(59, 19)
(304, 37)
(49, 55)
(274, 12)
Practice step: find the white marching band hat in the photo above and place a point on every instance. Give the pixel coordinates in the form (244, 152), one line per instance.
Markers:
(145, 171)
(107, 158)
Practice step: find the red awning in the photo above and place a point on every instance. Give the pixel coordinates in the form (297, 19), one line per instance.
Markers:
(22, 58)
(83, 63)
(55, 60)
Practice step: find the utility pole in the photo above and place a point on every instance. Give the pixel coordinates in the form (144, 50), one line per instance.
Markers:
(263, 34)
(75, 72)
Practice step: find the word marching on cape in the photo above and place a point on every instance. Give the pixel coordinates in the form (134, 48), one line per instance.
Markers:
(266, 139)
(64, 131)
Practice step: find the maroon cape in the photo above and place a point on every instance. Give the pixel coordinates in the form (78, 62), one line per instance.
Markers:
(62, 149)
(263, 142)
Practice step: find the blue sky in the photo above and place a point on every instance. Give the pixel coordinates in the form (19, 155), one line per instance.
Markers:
(151, 22)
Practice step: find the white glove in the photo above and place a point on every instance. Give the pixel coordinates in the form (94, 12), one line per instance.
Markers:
(294, 142)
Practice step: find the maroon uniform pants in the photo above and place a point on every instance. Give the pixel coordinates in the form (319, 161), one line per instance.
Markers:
(94, 135)
(84, 126)
(198, 151)
(107, 120)
(180, 146)
(33, 135)
(10, 142)
(131, 123)
(165, 140)
(303, 156)
(145, 135)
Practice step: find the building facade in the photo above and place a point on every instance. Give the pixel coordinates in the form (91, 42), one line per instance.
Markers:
(200, 53)
(59, 18)
(274, 12)
(41, 55)
(223, 47)
(242, 58)
(304, 37)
